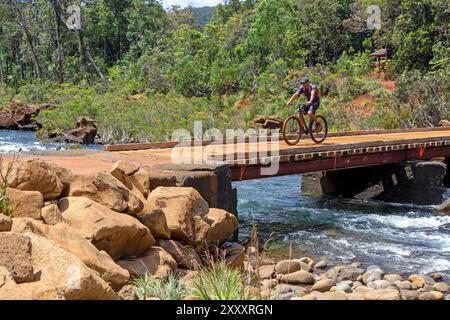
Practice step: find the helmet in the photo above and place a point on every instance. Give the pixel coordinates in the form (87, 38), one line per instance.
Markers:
(304, 80)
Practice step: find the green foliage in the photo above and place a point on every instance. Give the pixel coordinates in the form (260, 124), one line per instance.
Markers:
(5, 206)
(170, 289)
(220, 282)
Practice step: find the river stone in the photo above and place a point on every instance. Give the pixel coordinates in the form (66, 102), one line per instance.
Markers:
(409, 294)
(286, 288)
(344, 286)
(403, 285)
(382, 294)
(355, 296)
(290, 266)
(128, 292)
(363, 289)
(379, 284)
(441, 287)
(268, 284)
(417, 281)
(308, 297)
(393, 277)
(436, 276)
(431, 296)
(323, 285)
(372, 275)
(299, 277)
(321, 264)
(5, 223)
(338, 295)
(266, 272)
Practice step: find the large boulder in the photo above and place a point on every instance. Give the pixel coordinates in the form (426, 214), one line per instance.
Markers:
(181, 207)
(19, 115)
(5, 223)
(108, 191)
(74, 242)
(61, 275)
(141, 180)
(185, 255)
(221, 225)
(36, 175)
(120, 235)
(157, 263)
(9, 290)
(51, 214)
(25, 203)
(15, 255)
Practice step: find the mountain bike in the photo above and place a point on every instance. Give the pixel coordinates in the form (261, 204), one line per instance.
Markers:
(295, 126)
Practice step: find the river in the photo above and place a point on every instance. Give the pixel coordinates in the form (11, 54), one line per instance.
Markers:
(400, 238)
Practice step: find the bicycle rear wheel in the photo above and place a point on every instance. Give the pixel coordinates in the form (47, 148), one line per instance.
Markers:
(319, 132)
(292, 130)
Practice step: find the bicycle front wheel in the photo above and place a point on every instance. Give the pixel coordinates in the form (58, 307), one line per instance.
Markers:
(292, 131)
(319, 131)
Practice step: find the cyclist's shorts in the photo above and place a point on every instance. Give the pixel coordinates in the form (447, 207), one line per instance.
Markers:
(313, 107)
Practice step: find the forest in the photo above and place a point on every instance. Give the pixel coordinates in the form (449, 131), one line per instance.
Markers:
(142, 71)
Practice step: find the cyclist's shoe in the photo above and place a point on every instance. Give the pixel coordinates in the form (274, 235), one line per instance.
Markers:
(318, 127)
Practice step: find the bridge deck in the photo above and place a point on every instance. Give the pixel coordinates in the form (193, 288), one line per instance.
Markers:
(337, 152)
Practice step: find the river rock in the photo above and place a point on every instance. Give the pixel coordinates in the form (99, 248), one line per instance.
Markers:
(268, 284)
(362, 289)
(403, 285)
(321, 264)
(108, 191)
(234, 255)
(393, 277)
(372, 275)
(120, 235)
(15, 255)
(344, 286)
(287, 288)
(382, 294)
(337, 295)
(266, 272)
(379, 284)
(445, 208)
(419, 281)
(409, 294)
(74, 242)
(5, 223)
(156, 263)
(51, 214)
(433, 295)
(299, 277)
(355, 296)
(323, 285)
(436, 276)
(36, 175)
(290, 266)
(441, 287)
(25, 203)
(308, 297)
(185, 255)
(61, 275)
(9, 290)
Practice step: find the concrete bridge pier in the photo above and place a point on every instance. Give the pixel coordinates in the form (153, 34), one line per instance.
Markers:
(416, 182)
(447, 175)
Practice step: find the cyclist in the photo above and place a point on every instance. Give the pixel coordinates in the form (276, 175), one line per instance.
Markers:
(312, 95)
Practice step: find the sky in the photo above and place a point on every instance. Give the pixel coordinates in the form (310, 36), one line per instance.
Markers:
(194, 3)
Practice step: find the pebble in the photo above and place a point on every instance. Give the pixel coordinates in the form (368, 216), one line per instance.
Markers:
(338, 295)
(321, 264)
(344, 286)
(371, 276)
(323, 285)
(441, 287)
(383, 294)
(393, 277)
(379, 284)
(403, 285)
(266, 272)
(409, 294)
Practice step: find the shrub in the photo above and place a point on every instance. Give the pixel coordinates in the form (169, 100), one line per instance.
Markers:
(219, 282)
(170, 289)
